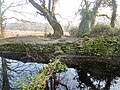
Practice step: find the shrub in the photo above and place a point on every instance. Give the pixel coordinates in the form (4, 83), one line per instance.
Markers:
(101, 46)
(73, 31)
(40, 81)
(116, 32)
(101, 30)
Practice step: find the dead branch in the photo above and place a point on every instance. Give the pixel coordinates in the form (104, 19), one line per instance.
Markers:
(13, 18)
(40, 13)
(104, 15)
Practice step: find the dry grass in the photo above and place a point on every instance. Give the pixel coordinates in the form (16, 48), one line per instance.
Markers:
(14, 33)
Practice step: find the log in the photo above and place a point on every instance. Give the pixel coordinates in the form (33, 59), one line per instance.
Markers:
(70, 60)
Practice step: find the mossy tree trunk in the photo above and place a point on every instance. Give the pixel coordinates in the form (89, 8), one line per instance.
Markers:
(89, 17)
(114, 11)
(49, 13)
(88, 21)
(94, 11)
(84, 25)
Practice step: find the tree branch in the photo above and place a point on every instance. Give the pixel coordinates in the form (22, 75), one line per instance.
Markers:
(53, 5)
(7, 8)
(43, 3)
(39, 7)
(49, 5)
(104, 15)
(13, 18)
(40, 13)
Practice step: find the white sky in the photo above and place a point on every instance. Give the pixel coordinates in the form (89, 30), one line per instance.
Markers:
(66, 9)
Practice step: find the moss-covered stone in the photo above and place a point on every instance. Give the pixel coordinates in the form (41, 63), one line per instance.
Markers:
(98, 46)
(101, 46)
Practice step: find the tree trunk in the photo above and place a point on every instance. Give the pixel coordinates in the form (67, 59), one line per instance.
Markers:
(1, 21)
(85, 22)
(2, 32)
(113, 18)
(58, 31)
(88, 21)
(84, 26)
(5, 85)
(94, 11)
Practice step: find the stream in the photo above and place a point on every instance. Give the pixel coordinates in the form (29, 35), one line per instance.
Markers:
(84, 77)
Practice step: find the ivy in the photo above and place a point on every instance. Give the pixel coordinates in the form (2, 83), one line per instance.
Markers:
(39, 81)
(101, 46)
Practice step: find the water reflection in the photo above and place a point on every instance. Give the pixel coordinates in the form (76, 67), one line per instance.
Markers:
(87, 76)
(5, 81)
(12, 70)
(99, 75)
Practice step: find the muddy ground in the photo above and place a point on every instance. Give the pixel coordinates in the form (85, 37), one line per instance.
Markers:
(37, 40)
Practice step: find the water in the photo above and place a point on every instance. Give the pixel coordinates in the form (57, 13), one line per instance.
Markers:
(83, 77)
(18, 70)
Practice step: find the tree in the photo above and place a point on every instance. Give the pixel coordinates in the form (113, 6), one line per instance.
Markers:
(48, 11)
(114, 9)
(6, 84)
(89, 15)
(84, 25)
(1, 19)
(3, 9)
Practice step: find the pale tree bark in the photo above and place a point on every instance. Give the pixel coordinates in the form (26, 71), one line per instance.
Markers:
(88, 18)
(1, 20)
(49, 14)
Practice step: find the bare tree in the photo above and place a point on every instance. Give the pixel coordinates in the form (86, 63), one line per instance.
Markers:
(3, 9)
(48, 11)
(1, 18)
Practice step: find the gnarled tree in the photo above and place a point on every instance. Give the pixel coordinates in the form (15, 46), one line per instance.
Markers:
(89, 14)
(48, 11)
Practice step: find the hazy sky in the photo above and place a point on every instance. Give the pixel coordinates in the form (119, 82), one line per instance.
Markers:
(66, 9)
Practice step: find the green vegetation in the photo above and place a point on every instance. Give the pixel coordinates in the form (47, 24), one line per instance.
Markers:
(49, 48)
(22, 47)
(40, 81)
(88, 15)
(105, 31)
(101, 46)
(101, 30)
(73, 31)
